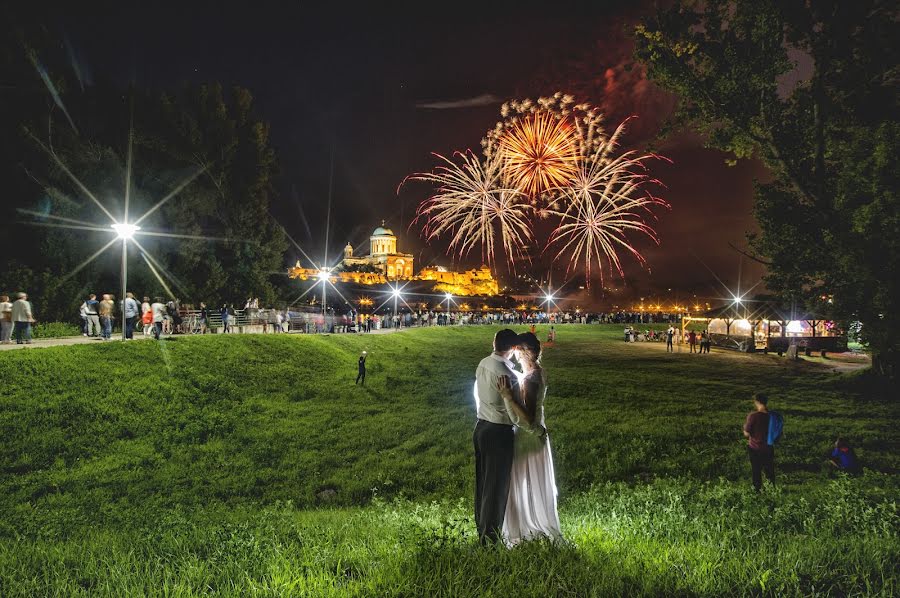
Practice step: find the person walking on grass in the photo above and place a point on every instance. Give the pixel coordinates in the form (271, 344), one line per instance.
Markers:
(670, 335)
(22, 318)
(361, 375)
(692, 340)
(759, 448)
(6, 323)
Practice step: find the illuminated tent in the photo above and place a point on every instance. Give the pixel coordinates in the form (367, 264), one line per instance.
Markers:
(767, 325)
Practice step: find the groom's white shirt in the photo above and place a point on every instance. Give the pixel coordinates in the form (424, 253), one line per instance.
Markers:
(488, 401)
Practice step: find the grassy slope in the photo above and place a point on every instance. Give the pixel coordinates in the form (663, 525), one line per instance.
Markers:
(164, 465)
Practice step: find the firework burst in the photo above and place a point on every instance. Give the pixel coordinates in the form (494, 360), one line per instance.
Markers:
(538, 153)
(473, 207)
(546, 159)
(605, 202)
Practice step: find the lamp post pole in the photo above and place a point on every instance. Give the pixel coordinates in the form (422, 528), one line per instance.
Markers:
(124, 282)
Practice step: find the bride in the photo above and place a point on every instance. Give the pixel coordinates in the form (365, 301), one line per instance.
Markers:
(531, 505)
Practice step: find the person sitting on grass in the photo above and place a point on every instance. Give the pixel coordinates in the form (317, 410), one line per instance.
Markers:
(843, 457)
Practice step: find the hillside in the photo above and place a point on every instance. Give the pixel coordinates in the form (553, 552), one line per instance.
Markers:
(158, 453)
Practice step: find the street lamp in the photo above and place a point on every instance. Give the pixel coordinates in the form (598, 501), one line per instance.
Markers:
(323, 276)
(448, 297)
(124, 231)
(396, 294)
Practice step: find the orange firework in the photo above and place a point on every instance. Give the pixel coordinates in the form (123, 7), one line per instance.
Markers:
(538, 153)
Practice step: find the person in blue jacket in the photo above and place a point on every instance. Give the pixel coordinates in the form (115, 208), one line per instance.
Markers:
(843, 457)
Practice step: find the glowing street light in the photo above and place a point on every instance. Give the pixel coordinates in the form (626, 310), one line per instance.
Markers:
(124, 231)
(323, 275)
(448, 297)
(396, 294)
(550, 301)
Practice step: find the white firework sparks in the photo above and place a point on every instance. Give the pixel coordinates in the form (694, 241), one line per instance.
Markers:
(472, 205)
(603, 204)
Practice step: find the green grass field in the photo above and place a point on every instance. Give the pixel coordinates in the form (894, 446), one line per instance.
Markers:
(201, 465)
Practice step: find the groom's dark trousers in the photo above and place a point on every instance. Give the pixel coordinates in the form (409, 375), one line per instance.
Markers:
(493, 463)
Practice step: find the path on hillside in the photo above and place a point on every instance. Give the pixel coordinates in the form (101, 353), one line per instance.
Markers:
(837, 362)
(84, 340)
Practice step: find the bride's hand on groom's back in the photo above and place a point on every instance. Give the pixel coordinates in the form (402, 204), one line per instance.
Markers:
(504, 387)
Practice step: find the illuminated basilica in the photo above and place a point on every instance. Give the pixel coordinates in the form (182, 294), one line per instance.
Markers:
(382, 257)
(384, 263)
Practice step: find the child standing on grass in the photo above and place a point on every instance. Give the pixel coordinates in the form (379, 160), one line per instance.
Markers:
(361, 375)
(756, 430)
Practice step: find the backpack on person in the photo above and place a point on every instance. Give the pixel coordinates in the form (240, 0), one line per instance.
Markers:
(776, 427)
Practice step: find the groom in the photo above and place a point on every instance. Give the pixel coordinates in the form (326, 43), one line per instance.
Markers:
(493, 438)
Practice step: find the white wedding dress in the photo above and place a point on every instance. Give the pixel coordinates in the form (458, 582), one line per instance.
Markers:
(531, 505)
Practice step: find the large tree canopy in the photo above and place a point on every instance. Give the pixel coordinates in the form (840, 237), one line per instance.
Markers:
(830, 221)
(200, 136)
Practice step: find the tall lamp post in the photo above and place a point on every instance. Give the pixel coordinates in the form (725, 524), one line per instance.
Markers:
(396, 294)
(125, 232)
(448, 297)
(323, 277)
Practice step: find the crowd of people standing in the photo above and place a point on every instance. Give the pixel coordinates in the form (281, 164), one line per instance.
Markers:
(16, 319)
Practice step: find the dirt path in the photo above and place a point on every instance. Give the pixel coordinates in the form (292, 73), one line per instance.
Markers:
(837, 362)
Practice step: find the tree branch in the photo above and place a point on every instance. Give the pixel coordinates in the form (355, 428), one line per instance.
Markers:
(750, 256)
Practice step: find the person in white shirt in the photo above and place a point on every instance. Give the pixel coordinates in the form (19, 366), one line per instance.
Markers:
(158, 309)
(22, 319)
(82, 311)
(6, 323)
(493, 437)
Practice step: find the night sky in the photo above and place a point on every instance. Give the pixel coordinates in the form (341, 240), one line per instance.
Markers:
(382, 90)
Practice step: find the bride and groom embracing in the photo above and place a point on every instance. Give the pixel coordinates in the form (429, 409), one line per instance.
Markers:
(515, 487)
